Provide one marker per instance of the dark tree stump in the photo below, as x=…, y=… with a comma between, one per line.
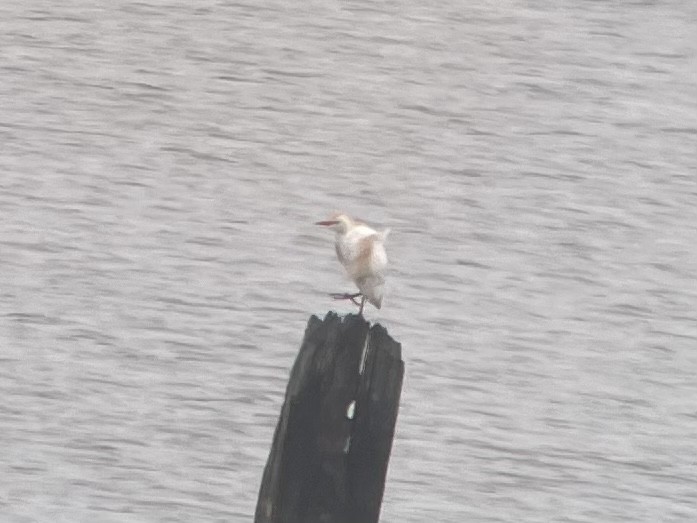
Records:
x=323, y=466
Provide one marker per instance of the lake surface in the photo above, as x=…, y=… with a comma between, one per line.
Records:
x=161, y=167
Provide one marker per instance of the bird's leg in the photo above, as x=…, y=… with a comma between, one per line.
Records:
x=353, y=300
x=360, y=308
x=345, y=296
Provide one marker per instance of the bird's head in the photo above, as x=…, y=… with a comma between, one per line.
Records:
x=338, y=222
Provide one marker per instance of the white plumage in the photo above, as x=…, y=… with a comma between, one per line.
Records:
x=361, y=250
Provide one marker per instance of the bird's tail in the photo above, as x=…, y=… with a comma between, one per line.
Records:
x=383, y=234
x=373, y=288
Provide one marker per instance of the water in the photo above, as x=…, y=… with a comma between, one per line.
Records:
x=161, y=167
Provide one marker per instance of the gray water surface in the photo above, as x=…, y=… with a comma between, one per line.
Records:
x=162, y=163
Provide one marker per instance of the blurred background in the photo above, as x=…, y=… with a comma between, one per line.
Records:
x=161, y=167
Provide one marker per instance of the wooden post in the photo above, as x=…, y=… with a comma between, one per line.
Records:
x=332, y=444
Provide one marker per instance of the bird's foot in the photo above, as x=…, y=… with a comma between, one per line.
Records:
x=346, y=296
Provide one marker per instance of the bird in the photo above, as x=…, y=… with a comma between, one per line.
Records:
x=361, y=250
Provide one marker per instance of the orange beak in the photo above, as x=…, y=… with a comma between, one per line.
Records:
x=327, y=222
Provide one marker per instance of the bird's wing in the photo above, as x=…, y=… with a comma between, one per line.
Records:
x=361, y=252
x=378, y=256
x=350, y=246
x=370, y=258
x=371, y=278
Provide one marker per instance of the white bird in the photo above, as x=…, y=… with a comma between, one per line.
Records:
x=361, y=251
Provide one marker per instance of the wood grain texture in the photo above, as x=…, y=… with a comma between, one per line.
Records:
x=324, y=467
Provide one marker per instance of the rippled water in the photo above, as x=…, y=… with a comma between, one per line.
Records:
x=161, y=165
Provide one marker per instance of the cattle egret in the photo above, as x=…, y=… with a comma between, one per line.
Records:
x=361, y=251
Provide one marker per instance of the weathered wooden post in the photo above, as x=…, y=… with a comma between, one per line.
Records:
x=332, y=444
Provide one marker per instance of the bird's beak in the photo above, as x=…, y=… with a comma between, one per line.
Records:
x=326, y=223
